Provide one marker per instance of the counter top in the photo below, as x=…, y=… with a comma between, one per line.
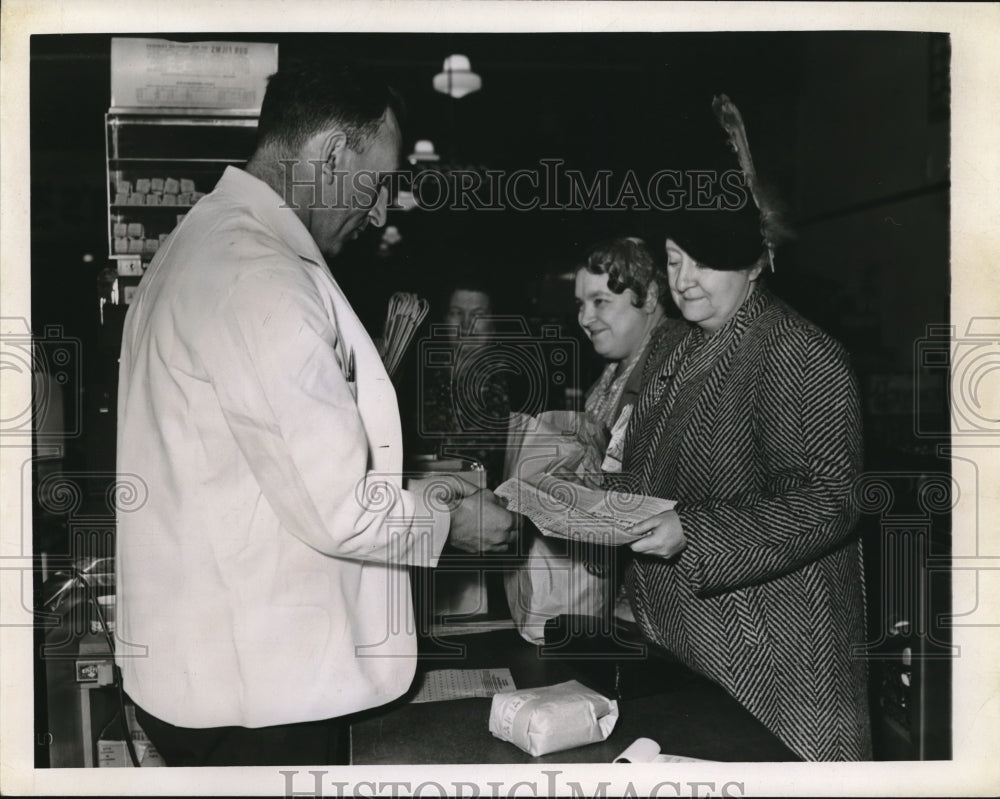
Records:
x=688, y=716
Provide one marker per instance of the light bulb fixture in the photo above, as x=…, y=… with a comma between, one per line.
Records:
x=423, y=151
x=391, y=236
x=457, y=79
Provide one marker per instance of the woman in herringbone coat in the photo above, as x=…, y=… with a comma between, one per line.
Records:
x=751, y=422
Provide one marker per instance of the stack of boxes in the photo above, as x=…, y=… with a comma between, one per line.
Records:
x=130, y=238
x=157, y=191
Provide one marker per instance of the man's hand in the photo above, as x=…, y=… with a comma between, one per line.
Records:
x=481, y=524
x=444, y=491
x=663, y=535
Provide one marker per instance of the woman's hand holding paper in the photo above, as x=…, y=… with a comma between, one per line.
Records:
x=663, y=535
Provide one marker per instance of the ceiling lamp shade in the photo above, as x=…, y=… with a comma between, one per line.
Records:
x=457, y=79
x=391, y=236
x=423, y=151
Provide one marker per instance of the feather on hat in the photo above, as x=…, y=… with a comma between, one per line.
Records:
x=716, y=231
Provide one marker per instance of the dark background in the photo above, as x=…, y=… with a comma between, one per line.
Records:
x=852, y=128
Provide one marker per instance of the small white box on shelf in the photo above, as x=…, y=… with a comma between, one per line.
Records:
x=136, y=230
x=130, y=267
x=120, y=230
x=168, y=199
x=142, y=186
x=156, y=184
x=152, y=199
x=187, y=185
x=121, y=245
x=137, y=199
x=171, y=186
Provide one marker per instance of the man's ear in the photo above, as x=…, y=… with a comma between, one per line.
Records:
x=332, y=144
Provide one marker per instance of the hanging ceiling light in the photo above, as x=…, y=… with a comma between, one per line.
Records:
x=390, y=238
x=457, y=79
x=423, y=151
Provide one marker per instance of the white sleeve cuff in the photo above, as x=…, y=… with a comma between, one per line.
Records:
x=431, y=522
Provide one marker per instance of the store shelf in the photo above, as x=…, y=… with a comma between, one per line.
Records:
x=131, y=208
x=168, y=145
x=185, y=116
x=176, y=161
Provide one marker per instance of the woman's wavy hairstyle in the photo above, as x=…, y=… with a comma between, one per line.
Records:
x=629, y=264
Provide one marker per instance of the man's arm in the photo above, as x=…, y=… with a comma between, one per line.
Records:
x=284, y=395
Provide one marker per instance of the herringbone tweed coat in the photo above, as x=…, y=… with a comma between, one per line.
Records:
x=756, y=432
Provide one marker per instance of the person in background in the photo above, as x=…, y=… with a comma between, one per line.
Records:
x=465, y=405
x=751, y=422
x=262, y=582
x=620, y=291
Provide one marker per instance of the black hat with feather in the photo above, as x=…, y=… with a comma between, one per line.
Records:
x=727, y=220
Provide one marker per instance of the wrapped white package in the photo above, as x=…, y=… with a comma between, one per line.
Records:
x=568, y=443
x=552, y=718
x=553, y=580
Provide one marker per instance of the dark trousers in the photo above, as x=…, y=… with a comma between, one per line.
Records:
x=315, y=743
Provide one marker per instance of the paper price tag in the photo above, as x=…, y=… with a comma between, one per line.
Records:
x=510, y=711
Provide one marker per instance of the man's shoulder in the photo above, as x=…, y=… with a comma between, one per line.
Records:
x=222, y=245
x=223, y=227
x=223, y=258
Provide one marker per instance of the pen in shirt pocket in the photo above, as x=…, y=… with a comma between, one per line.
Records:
x=350, y=365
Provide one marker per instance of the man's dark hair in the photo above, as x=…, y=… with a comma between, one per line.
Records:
x=307, y=96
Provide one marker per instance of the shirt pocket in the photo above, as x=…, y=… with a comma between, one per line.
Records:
x=349, y=367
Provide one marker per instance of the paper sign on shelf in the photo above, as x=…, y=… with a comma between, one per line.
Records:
x=156, y=73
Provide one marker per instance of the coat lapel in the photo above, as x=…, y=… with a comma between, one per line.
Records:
x=376, y=397
x=691, y=400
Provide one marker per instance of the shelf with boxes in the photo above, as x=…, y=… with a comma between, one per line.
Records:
x=130, y=238
x=160, y=162
x=153, y=192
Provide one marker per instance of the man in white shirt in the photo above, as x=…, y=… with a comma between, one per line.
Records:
x=262, y=577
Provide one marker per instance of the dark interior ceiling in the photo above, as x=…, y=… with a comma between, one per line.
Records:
x=593, y=99
x=596, y=101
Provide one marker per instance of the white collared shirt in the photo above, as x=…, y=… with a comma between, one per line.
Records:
x=261, y=566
